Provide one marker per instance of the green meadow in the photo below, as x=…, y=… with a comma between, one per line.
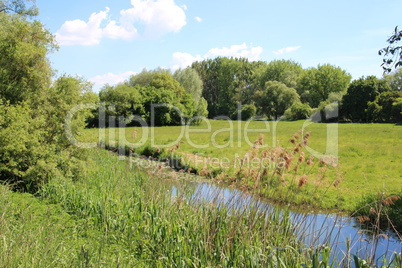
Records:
x=369, y=156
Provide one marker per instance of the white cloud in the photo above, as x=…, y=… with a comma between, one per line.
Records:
x=158, y=17
x=183, y=60
x=81, y=32
x=110, y=78
x=198, y=19
x=286, y=50
x=237, y=51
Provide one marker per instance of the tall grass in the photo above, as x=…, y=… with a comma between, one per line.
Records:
x=145, y=225
x=120, y=216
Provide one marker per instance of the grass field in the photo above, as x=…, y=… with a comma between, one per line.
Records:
x=370, y=155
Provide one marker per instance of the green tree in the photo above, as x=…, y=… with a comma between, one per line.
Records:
x=25, y=72
x=126, y=100
x=392, y=53
x=225, y=81
x=360, y=93
x=275, y=99
x=394, y=79
x=145, y=78
x=286, y=71
x=19, y=7
x=191, y=82
x=33, y=144
x=317, y=83
x=397, y=110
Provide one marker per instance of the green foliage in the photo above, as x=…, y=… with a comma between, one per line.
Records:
x=155, y=96
x=145, y=78
x=287, y=72
x=25, y=72
x=26, y=160
x=201, y=112
x=248, y=111
x=394, y=79
x=34, y=145
x=392, y=53
x=380, y=210
x=298, y=111
x=191, y=82
x=225, y=82
x=275, y=99
x=321, y=81
x=397, y=110
x=385, y=108
x=359, y=94
x=18, y=7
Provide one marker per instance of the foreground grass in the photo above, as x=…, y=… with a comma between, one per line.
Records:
x=121, y=217
x=369, y=156
x=137, y=223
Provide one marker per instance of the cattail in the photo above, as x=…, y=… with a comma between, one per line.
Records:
x=390, y=200
x=296, y=168
x=310, y=161
x=288, y=160
x=303, y=180
x=363, y=219
x=301, y=158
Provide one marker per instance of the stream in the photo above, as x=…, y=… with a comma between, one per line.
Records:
x=314, y=229
x=345, y=235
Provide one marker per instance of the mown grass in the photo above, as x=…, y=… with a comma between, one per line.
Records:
x=369, y=154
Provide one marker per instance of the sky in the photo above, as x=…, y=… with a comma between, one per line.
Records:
x=108, y=41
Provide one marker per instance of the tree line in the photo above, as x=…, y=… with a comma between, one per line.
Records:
x=280, y=89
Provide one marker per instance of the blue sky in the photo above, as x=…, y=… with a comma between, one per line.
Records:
x=107, y=41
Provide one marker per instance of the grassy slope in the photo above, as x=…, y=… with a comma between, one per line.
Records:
x=370, y=154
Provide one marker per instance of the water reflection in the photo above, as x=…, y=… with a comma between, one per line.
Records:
x=344, y=234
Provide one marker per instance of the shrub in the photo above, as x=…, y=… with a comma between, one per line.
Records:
x=298, y=111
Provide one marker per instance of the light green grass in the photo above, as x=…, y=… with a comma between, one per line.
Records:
x=370, y=155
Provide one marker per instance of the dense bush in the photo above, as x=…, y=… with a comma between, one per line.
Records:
x=385, y=107
x=298, y=111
